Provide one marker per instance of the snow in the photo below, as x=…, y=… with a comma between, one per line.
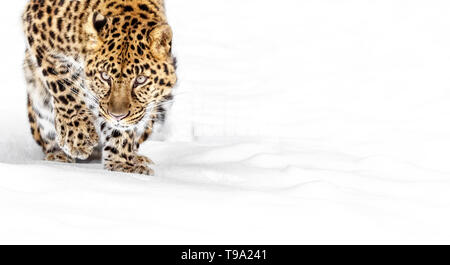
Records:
x=295, y=122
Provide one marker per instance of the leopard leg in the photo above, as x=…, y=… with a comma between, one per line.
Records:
x=35, y=131
x=46, y=141
x=72, y=118
x=120, y=154
x=40, y=115
x=144, y=135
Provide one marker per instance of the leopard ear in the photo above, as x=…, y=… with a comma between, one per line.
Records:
x=99, y=21
x=160, y=39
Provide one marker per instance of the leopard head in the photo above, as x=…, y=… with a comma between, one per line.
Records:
x=129, y=67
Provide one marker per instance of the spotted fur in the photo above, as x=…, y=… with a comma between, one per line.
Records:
x=99, y=73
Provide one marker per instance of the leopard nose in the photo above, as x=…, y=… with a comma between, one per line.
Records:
x=118, y=116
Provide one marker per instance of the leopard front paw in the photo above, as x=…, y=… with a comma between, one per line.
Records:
x=59, y=156
x=78, y=138
x=137, y=165
x=139, y=159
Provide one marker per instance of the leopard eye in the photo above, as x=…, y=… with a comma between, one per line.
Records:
x=141, y=80
x=105, y=76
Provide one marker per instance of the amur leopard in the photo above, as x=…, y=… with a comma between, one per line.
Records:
x=99, y=73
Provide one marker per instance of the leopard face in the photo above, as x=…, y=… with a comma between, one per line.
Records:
x=131, y=69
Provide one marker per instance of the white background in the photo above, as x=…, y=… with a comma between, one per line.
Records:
x=294, y=122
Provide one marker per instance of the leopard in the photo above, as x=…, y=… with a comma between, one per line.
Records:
x=100, y=74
